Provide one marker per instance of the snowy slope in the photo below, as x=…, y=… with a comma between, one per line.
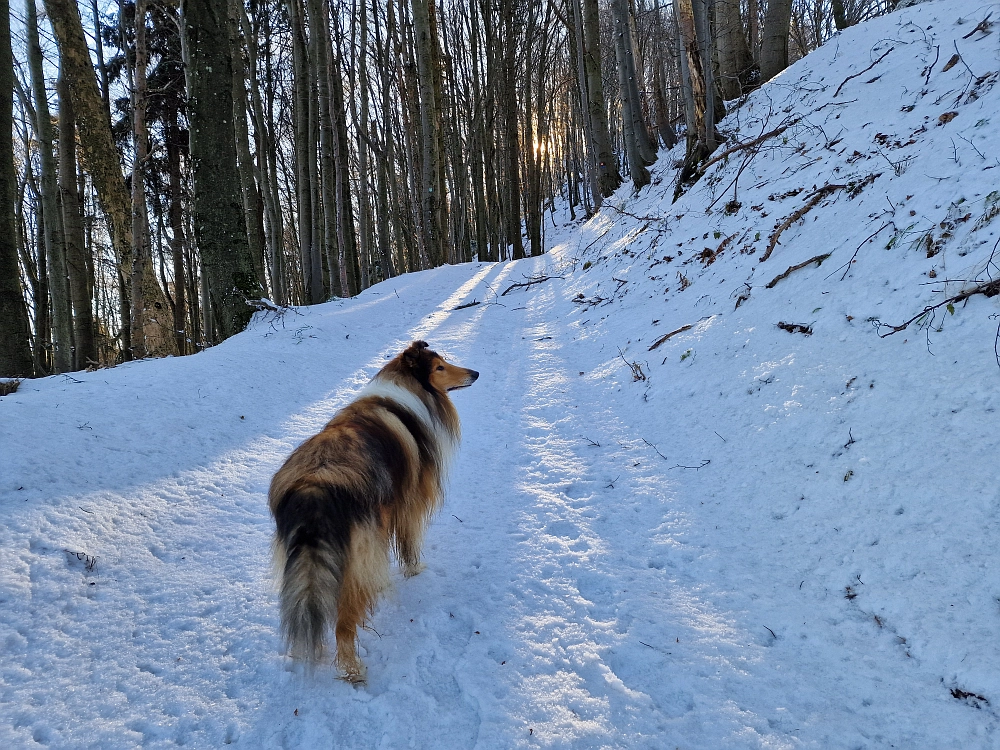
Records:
x=748, y=538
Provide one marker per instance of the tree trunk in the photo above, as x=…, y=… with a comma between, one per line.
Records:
x=244, y=158
x=512, y=145
x=637, y=145
x=151, y=326
x=839, y=15
x=175, y=142
x=55, y=247
x=265, y=167
x=699, y=88
x=364, y=191
x=663, y=124
x=77, y=261
x=305, y=159
x=347, y=243
x=320, y=64
x=737, y=71
x=607, y=164
x=15, y=348
x=714, y=110
x=753, y=32
x=432, y=193
x=99, y=150
x=219, y=224
x=774, y=38
x=386, y=162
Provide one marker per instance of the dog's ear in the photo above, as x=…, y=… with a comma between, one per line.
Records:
x=412, y=354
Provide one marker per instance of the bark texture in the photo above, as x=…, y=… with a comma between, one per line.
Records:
x=219, y=223
x=15, y=347
x=774, y=38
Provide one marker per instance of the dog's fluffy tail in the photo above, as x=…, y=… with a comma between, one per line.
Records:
x=311, y=551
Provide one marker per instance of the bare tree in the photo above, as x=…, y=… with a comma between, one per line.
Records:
x=55, y=247
x=219, y=224
x=78, y=261
x=15, y=351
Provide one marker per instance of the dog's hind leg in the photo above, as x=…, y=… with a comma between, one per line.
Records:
x=365, y=577
x=408, y=529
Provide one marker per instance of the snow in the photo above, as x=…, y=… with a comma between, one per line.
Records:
x=773, y=540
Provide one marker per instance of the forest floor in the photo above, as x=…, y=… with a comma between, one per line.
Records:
x=775, y=528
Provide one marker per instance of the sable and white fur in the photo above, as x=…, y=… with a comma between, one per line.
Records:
x=368, y=482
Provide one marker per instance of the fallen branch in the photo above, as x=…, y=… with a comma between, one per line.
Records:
x=667, y=337
x=467, y=304
x=529, y=282
x=816, y=197
x=989, y=289
x=749, y=144
x=862, y=72
x=818, y=260
x=795, y=328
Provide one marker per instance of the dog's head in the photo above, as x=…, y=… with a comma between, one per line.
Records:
x=433, y=372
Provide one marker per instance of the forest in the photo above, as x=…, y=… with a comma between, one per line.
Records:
x=176, y=166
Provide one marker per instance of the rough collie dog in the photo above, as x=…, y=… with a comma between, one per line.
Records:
x=367, y=483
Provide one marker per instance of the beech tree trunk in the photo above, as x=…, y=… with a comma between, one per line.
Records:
x=15, y=347
x=55, y=247
x=77, y=261
x=305, y=158
x=100, y=154
x=737, y=71
x=320, y=70
x=432, y=191
x=608, y=176
x=637, y=146
x=774, y=38
x=175, y=142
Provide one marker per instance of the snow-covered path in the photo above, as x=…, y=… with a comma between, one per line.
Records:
x=592, y=582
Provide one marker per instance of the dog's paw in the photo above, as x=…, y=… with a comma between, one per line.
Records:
x=354, y=672
x=356, y=678
x=411, y=570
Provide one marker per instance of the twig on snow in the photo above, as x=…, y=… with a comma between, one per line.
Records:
x=668, y=336
x=818, y=260
x=655, y=449
x=530, y=282
x=705, y=462
x=835, y=93
x=869, y=238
